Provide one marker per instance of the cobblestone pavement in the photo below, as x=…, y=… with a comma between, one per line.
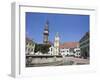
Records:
x=77, y=60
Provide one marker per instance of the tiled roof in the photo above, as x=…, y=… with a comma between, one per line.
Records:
x=69, y=45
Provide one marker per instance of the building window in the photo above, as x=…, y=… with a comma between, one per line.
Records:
x=29, y=49
x=30, y=44
x=26, y=43
x=26, y=48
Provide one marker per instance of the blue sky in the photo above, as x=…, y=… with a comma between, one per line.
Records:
x=69, y=26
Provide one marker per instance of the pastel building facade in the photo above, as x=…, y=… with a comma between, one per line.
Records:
x=30, y=46
x=70, y=49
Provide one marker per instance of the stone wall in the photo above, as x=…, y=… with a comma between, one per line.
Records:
x=44, y=59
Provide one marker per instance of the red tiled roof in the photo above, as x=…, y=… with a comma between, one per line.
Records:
x=69, y=45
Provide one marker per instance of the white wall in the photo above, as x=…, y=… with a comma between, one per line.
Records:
x=5, y=41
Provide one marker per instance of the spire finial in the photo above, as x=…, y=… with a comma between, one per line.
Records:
x=47, y=24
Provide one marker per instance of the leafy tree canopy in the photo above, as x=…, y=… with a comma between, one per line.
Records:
x=44, y=48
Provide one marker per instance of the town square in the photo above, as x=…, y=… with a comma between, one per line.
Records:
x=56, y=39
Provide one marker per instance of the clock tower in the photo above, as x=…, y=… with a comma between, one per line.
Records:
x=46, y=33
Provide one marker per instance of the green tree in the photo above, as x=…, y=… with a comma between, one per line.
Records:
x=44, y=48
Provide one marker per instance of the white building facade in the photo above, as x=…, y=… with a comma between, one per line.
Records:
x=64, y=51
x=56, y=44
x=77, y=52
x=70, y=49
x=51, y=50
x=54, y=49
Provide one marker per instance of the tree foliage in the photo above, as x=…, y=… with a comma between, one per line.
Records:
x=44, y=48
